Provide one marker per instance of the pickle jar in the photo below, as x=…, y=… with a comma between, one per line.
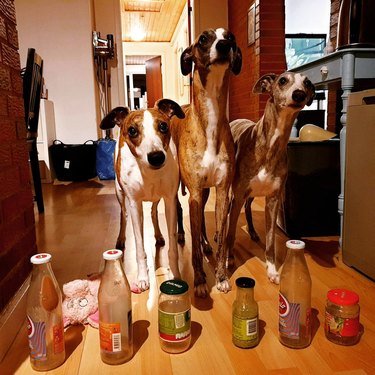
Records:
x=245, y=323
x=342, y=317
x=174, y=316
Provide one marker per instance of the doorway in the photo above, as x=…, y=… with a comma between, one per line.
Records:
x=143, y=81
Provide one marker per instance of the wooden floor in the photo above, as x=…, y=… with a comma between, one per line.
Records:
x=81, y=220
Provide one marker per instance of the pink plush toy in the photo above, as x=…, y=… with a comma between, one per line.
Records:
x=80, y=305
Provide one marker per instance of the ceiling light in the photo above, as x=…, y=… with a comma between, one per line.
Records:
x=137, y=33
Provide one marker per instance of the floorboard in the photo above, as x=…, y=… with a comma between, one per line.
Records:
x=81, y=220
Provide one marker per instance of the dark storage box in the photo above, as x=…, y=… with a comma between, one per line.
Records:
x=310, y=206
x=74, y=162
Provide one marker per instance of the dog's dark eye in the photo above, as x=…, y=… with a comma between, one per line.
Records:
x=202, y=40
x=231, y=37
x=163, y=127
x=133, y=132
x=283, y=81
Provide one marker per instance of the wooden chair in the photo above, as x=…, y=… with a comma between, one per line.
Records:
x=32, y=87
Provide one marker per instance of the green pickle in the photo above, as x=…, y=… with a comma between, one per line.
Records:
x=245, y=322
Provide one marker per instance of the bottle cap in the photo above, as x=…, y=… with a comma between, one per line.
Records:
x=174, y=287
x=245, y=282
x=295, y=244
x=40, y=258
x=342, y=297
x=112, y=254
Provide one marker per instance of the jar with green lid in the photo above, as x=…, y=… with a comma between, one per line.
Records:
x=174, y=316
x=342, y=317
x=245, y=324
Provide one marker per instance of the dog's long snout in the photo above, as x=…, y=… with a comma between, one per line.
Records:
x=299, y=96
x=156, y=158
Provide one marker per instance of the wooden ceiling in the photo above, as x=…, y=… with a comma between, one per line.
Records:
x=157, y=18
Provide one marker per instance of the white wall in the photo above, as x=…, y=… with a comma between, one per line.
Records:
x=60, y=31
x=307, y=16
x=107, y=20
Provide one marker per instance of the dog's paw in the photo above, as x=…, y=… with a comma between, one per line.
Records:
x=135, y=289
x=206, y=247
x=181, y=238
x=201, y=290
x=272, y=274
x=120, y=244
x=143, y=285
x=223, y=286
x=159, y=241
x=174, y=275
x=253, y=235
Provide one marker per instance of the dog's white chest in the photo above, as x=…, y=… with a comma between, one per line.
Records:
x=264, y=184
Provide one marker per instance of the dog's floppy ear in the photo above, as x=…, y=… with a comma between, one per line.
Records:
x=237, y=62
x=170, y=108
x=186, y=61
x=312, y=96
x=264, y=83
x=114, y=117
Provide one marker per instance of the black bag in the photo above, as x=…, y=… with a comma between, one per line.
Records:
x=105, y=158
x=74, y=162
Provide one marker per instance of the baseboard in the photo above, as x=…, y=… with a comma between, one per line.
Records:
x=12, y=318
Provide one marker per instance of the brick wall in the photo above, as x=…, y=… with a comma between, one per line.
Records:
x=334, y=103
x=17, y=223
x=265, y=55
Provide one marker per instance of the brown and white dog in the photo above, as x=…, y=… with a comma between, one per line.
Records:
x=205, y=144
x=146, y=169
x=261, y=156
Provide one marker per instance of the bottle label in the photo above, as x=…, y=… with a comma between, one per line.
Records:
x=37, y=339
x=110, y=337
x=245, y=330
x=289, y=318
x=58, y=338
x=174, y=327
x=341, y=327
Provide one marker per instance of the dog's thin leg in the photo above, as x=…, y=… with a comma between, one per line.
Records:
x=206, y=247
x=180, y=223
x=271, y=209
x=171, y=217
x=121, y=239
x=195, y=211
x=249, y=218
x=159, y=239
x=136, y=213
x=235, y=210
x=221, y=211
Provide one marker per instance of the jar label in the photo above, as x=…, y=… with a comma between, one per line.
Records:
x=341, y=327
x=110, y=337
x=37, y=339
x=245, y=330
x=174, y=327
x=289, y=318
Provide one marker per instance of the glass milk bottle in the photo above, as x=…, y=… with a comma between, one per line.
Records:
x=295, y=298
x=115, y=311
x=245, y=326
x=44, y=316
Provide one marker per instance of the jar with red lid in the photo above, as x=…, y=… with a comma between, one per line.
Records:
x=342, y=317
